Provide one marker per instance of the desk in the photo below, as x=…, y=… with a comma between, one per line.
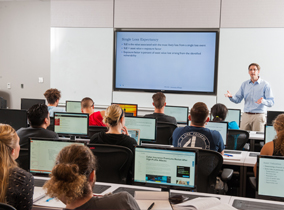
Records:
x=255, y=136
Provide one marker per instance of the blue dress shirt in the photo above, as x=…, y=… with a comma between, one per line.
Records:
x=251, y=92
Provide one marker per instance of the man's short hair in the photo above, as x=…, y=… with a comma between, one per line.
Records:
x=199, y=113
x=159, y=100
x=52, y=95
x=254, y=64
x=86, y=103
x=37, y=114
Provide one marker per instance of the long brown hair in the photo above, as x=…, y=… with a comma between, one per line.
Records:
x=278, y=125
x=8, y=141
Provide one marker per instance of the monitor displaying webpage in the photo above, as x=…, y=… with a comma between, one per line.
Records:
x=221, y=127
x=129, y=109
x=43, y=154
x=147, y=127
x=166, y=167
x=270, y=177
x=71, y=123
x=180, y=113
x=270, y=133
x=73, y=106
x=233, y=115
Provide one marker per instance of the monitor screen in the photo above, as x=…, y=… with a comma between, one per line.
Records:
x=234, y=115
x=146, y=125
x=167, y=61
x=75, y=124
x=27, y=103
x=271, y=115
x=269, y=133
x=270, y=176
x=73, y=106
x=170, y=167
x=14, y=117
x=135, y=133
x=43, y=153
x=179, y=112
x=129, y=109
x=221, y=127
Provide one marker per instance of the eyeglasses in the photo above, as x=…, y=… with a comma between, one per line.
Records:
x=253, y=69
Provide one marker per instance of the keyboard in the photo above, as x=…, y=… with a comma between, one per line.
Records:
x=39, y=182
x=190, y=196
x=253, y=154
x=252, y=205
x=232, y=152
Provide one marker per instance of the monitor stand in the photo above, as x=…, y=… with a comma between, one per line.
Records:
x=73, y=138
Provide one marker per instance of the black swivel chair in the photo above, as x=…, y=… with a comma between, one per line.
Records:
x=114, y=163
x=237, y=139
x=96, y=129
x=164, y=133
x=4, y=206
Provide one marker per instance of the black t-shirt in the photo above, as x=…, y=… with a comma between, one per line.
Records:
x=162, y=118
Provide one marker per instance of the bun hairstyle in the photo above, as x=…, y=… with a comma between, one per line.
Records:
x=8, y=141
x=219, y=112
x=70, y=175
x=278, y=125
x=112, y=115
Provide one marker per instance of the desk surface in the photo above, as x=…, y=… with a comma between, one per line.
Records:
x=235, y=159
x=255, y=204
x=250, y=159
x=256, y=136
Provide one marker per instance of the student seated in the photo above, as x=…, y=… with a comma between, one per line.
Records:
x=275, y=147
x=117, y=133
x=39, y=120
x=159, y=102
x=73, y=178
x=196, y=135
x=95, y=118
x=17, y=185
x=219, y=114
x=53, y=96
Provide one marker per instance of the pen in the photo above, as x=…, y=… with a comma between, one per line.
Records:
x=151, y=206
x=48, y=199
x=228, y=155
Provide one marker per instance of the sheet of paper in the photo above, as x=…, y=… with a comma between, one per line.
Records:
x=233, y=157
x=50, y=202
x=150, y=195
x=159, y=204
x=39, y=193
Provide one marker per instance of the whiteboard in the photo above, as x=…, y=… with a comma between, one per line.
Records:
x=241, y=46
x=81, y=63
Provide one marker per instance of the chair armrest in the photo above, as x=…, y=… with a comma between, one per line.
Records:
x=252, y=181
x=227, y=174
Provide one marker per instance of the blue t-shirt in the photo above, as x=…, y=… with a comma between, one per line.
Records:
x=190, y=136
x=52, y=109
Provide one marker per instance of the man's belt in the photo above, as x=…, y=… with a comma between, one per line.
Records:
x=253, y=113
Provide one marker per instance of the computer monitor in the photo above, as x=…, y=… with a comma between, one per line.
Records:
x=27, y=103
x=221, y=127
x=271, y=115
x=14, y=117
x=3, y=103
x=43, y=153
x=234, y=115
x=270, y=173
x=146, y=125
x=71, y=124
x=73, y=106
x=269, y=133
x=135, y=133
x=179, y=112
x=170, y=168
x=129, y=109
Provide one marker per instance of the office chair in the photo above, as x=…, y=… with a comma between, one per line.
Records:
x=208, y=167
x=114, y=162
x=237, y=139
x=4, y=206
x=164, y=133
x=96, y=129
x=51, y=126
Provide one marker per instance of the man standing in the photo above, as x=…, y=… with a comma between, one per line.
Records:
x=159, y=102
x=257, y=95
x=196, y=135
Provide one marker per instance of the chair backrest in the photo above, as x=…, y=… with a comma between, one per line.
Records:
x=237, y=139
x=209, y=163
x=114, y=162
x=4, y=206
x=164, y=133
x=96, y=129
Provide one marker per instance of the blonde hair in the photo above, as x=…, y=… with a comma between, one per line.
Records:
x=278, y=125
x=69, y=176
x=8, y=141
x=112, y=115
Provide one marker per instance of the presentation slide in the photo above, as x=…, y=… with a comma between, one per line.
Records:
x=43, y=154
x=271, y=173
x=180, y=113
x=176, y=168
x=270, y=133
x=71, y=124
x=233, y=115
x=173, y=61
x=73, y=106
x=147, y=127
x=222, y=128
x=129, y=109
